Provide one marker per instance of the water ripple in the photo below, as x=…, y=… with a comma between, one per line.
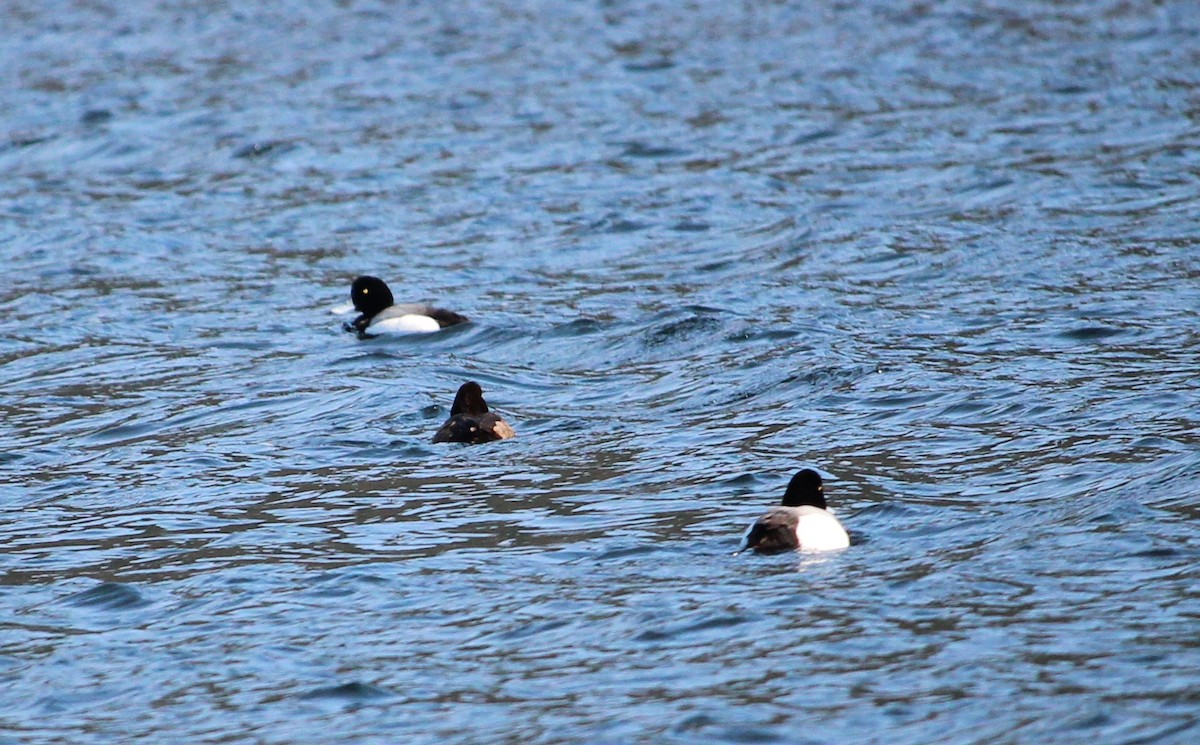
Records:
x=943, y=253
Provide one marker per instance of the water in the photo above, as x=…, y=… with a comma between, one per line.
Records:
x=944, y=252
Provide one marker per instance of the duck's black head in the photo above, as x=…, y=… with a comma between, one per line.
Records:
x=805, y=489
x=370, y=295
x=469, y=400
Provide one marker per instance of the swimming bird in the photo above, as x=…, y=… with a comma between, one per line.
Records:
x=803, y=521
x=470, y=421
x=380, y=314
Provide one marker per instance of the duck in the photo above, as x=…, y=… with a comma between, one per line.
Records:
x=803, y=520
x=379, y=313
x=470, y=421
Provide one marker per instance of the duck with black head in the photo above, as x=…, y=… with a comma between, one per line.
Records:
x=379, y=313
x=470, y=421
x=803, y=521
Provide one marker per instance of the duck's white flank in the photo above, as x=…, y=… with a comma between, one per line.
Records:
x=818, y=529
x=409, y=323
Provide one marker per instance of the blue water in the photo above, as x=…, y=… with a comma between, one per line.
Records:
x=946, y=253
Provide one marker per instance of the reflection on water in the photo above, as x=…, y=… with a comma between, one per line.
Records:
x=944, y=253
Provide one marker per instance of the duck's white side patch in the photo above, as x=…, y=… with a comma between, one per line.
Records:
x=410, y=323
x=817, y=530
x=503, y=431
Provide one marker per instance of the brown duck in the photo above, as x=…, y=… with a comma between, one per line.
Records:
x=470, y=421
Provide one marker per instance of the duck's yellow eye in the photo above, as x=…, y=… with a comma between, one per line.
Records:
x=365, y=290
